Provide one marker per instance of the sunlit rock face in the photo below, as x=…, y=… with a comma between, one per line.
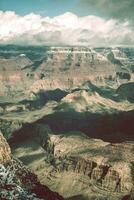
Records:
x=95, y=168
x=25, y=70
x=68, y=114
x=5, y=152
x=26, y=73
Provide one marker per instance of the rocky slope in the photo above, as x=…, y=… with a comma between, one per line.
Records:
x=17, y=181
x=28, y=75
x=51, y=68
x=85, y=96
x=126, y=91
x=78, y=165
x=27, y=71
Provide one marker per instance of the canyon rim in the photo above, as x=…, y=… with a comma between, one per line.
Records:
x=66, y=100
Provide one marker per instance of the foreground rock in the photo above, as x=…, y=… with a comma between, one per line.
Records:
x=17, y=182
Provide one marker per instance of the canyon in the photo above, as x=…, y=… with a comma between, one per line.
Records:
x=67, y=114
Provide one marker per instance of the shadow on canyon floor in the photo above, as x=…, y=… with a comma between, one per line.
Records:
x=110, y=127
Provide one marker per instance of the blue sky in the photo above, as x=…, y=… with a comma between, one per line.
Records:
x=119, y=9
x=43, y=7
x=112, y=22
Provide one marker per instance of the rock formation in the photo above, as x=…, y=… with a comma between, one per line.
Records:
x=101, y=165
x=126, y=91
x=17, y=181
x=68, y=114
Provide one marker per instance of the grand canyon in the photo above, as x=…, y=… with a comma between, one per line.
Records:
x=67, y=122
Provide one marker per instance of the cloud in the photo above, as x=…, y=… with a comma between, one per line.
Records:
x=118, y=9
x=66, y=29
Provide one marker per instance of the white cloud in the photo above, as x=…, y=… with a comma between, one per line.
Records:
x=64, y=29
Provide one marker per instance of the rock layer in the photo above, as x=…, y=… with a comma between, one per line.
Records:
x=5, y=152
x=101, y=165
x=69, y=89
x=17, y=181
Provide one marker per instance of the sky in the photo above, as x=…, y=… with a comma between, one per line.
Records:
x=67, y=22
x=48, y=7
x=43, y=7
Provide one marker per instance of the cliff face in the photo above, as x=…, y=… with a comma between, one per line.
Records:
x=90, y=165
x=87, y=153
x=17, y=181
x=28, y=76
x=106, y=177
x=5, y=152
x=64, y=68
